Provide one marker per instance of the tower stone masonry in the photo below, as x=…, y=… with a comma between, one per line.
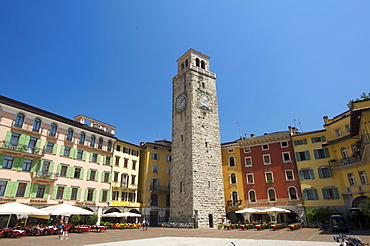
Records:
x=197, y=193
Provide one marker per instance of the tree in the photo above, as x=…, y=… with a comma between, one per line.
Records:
x=321, y=215
x=365, y=209
x=93, y=219
x=362, y=97
x=75, y=219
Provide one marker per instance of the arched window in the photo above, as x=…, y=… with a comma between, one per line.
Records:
x=252, y=196
x=53, y=130
x=82, y=138
x=197, y=62
x=154, y=200
x=234, y=195
x=344, y=153
x=231, y=161
x=109, y=147
x=100, y=143
x=19, y=120
x=36, y=125
x=182, y=66
x=92, y=141
x=69, y=136
x=232, y=178
x=292, y=193
x=271, y=195
x=186, y=63
x=202, y=64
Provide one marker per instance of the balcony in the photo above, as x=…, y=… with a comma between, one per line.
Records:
x=45, y=176
x=21, y=148
x=117, y=185
x=27, y=127
x=159, y=188
x=234, y=203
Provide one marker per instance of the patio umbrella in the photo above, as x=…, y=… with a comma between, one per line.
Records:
x=129, y=214
x=66, y=210
x=114, y=215
x=19, y=209
x=275, y=210
x=247, y=211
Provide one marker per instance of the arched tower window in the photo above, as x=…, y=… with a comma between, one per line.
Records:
x=231, y=161
x=203, y=64
x=186, y=63
x=197, y=62
x=232, y=178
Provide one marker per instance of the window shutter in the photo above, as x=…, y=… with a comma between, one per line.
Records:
x=97, y=176
x=100, y=196
x=99, y=159
x=108, y=196
x=308, y=155
x=82, y=174
x=78, y=194
x=295, y=142
x=84, y=155
x=329, y=172
x=336, y=193
x=94, y=196
x=316, y=154
x=47, y=189
x=7, y=137
x=67, y=193
x=305, y=197
x=320, y=173
x=316, y=195
x=85, y=195
x=111, y=161
x=27, y=192
x=91, y=155
x=34, y=191
x=323, y=138
x=38, y=145
x=70, y=172
x=102, y=176
x=51, y=168
x=324, y=194
x=62, y=150
x=313, y=140
x=58, y=169
x=9, y=188
x=110, y=178
x=21, y=141
x=15, y=163
x=14, y=189
x=46, y=145
x=1, y=160
x=33, y=166
x=20, y=164
x=305, y=141
x=105, y=160
x=72, y=153
x=88, y=174
x=312, y=176
x=326, y=152
x=55, y=190
x=301, y=177
x=55, y=148
x=297, y=156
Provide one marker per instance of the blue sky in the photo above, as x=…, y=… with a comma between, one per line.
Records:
x=278, y=63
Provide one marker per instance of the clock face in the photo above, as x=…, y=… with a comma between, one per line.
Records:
x=204, y=100
x=181, y=102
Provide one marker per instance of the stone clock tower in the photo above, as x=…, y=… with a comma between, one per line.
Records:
x=196, y=176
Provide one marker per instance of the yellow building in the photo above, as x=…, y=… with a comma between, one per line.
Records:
x=125, y=177
x=155, y=178
x=233, y=180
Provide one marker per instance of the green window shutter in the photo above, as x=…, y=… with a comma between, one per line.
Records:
x=55, y=149
x=82, y=174
x=305, y=197
x=301, y=177
x=102, y=176
x=88, y=174
x=323, y=138
x=70, y=172
x=51, y=168
x=297, y=156
x=2, y=157
x=324, y=194
x=33, y=166
x=67, y=193
x=313, y=140
x=23, y=140
x=320, y=173
x=78, y=194
x=110, y=178
x=72, y=153
x=34, y=190
x=84, y=155
x=94, y=196
x=336, y=193
x=312, y=176
x=97, y=176
x=111, y=161
x=14, y=190
x=326, y=152
x=295, y=142
x=61, y=150
x=99, y=158
x=105, y=160
x=91, y=155
x=316, y=154
x=8, y=189
x=59, y=168
x=55, y=190
x=100, y=196
x=20, y=164
x=108, y=196
x=85, y=195
x=316, y=195
x=7, y=137
x=329, y=172
x=305, y=141
x=46, y=145
x=15, y=163
x=38, y=145
x=308, y=155
x=27, y=192
x=39, y=166
x=47, y=189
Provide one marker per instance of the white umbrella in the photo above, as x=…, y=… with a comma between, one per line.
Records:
x=275, y=210
x=114, y=215
x=19, y=208
x=66, y=210
x=247, y=211
x=129, y=214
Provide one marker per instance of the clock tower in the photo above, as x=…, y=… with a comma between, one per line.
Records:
x=197, y=194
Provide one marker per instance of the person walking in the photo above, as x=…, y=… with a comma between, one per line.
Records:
x=145, y=225
x=65, y=231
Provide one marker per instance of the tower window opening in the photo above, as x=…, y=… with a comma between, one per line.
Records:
x=186, y=63
x=203, y=64
x=197, y=62
x=206, y=144
x=203, y=85
x=182, y=66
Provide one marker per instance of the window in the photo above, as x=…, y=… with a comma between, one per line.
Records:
x=36, y=125
x=126, y=150
x=230, y=151
x=136, y=153
x=232, y=161
x=82, y=138
x=92, y=175
x=300, y=142
x=155, y=156
x=252, y=196
x=40, y=191
x=269, y=177
x=107, y=160
x=168, y=158
x=45, y=168
x=26, y=165
x=306, y=174
x=31, y=148
x=232, y=178
x=2, y=187
x=63, y=171
x=115, y=195
x=338, y=132
x=271, y=195
x=321, y=153
x=8, y=162
x=69, y=135
x=153, y=200
x=104, y=196
x=266, y=159
x=94, y=157
x=19, y=120
x=247, y=149
x=155, y=168
x=106, y=177
x=363, y=177
x=348, y=129
x=250, y=178
x=303, y=155
x=14, y=139
x=154, y=184
x=133, y=179
x=351, y=179
x=21, y=190
x=74, y=193
x=265, y=146
x=289, y=175
x=125, y=162
x=77, y=174
x=90, y=195
x=344, y=153
x=292, y=191
x=115, y=176
x=92, y=141
x=248, y=161
x=124, y=180
x=109, y=146
x=60, y=192
x=100, y=143
x=234, y=199
x=169, y=170
x=53, y=130
x=67, y=151
x=324, y=172
x=330, y=193
x=318, y=139
x=310, y=194
x=286, y=157
x=133, y=165
x=118, y=147
x=284, y=144
x=49, y=147
x=80, y=154
x=168, y=200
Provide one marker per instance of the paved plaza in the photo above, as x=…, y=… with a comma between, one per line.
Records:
x=184, y=237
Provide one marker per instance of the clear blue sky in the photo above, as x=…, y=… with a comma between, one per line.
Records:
x=275, y=61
